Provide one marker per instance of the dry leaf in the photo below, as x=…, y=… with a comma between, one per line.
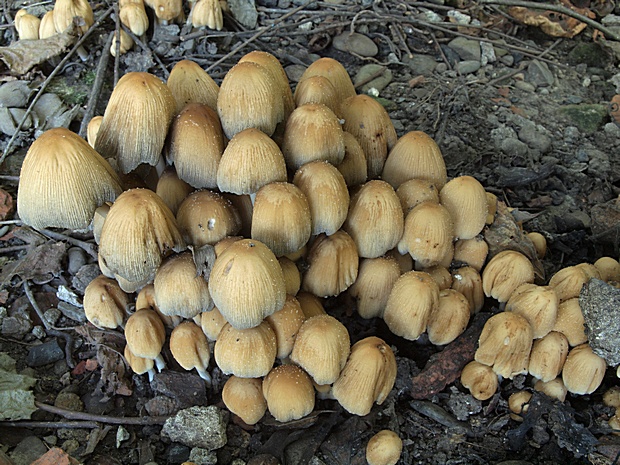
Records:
x=114, y=377
x=42, y=264
x=550, y=22
x=6, y=204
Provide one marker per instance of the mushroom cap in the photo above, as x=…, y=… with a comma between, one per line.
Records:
x=105, y=303
x=568, y=282
x=554, y=388
x=139, y=365
x=27, y=25
x=570, y=322
x=292, y=276
x=249, y=98
x=504, y=273
x=332, y=265
x=539, y=304
x=285, y=324
x=327, y=194
x=247, y=353
x=353, y=166
x=505, y=344
x=166, y=10
x=62, y=181
x=92, y=129
x=375, y=279
x=124, y=45
x=480, y=379
x=190, y=348
x=66, y=10
x=179, y=272
x=369, y=122
x=415, y=155
x=251, y=160
x=442, y=277
x=46, y=27
x=212, y=323
x=145, y=333
x=171, y=189
x=247, y=284
x=609, y=268
x=540, y=243
x=583, y=371
x=466, y=200
x=244, y=397
x=207, y=13
x=449, y=319
x=321, y=348
x=133, y=15
x=311, y=304
x=472, y=252
x=312, y=132
x=414, y=296
x=189, y=83
x=138, y=232
x=196, y=145
x=136, y=121
x=289, y=393
x=468, y=282
x=415, y=191
x=335, y=72
x=375, y=220
x=367, y=377
x=384, y=448
x=317, y=89
x=548, y=356
x=281, y=218
x=518, y=403
x=207, y=217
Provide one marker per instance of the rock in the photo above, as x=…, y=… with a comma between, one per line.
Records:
x=507, y=59
x=16, y=326
x=28, y=450
x=245, y=12
x=612, y=129
x=202, y=427
x=588, y=53
x=605, y=221
x=599, y=164
x=451, y=56
x=599, y=303
x=72, y=312
x=355, y=43
x=535, y=138
x=202, y=456
x=462, y=405
x=84, y=276
x=185, y=388
x=513, y=147
x=538, y=74
x=161, y=406
x=69, y=401
x=294, y=72
x=10, y=118
x=14, y=94
x=380, y=82
x=468, y=66
x=487, y=53
x=586, y=117
x=571, y=134
x=421, y=64
x=526, y=86
x=77, y=259
x=51, y=315
x=178, y=453
x=467, y=49
x=42, y=354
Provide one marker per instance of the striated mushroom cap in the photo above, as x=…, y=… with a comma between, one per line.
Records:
x=247, y=353
x=190, y=348
x=505, y=272
x=289, y=393
x=189, y=83
x=466, y=200
x=105, y=303
x=244, y=397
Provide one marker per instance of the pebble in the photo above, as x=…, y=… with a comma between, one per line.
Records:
x=43, y=354
x=535, y=138
x=65, y=294
x=571, y=134
x=467, y=49
x=294, y=72
x=51, y=315
x=468, y=66
x=421, y=64
x=84, y=276
x=355, y=43
x=203, y=427
x=69, y=401
x=612, y=129
x=513, y=147
x=487, y=53
x=379, y=83
x=599, y=303
x=28, y=450
x=599, y=164
x=245, y=12
x=16, y=326
x=525, y=86
x=507, y=59
x=10, y=118
x=587, y=117
x=186, y=388
x=77, y=259
x=72, y=312
x=14, y=94
x=178, y=453
x=201, y=456
x=538, y=74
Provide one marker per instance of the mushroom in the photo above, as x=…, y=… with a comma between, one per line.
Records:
x=247, y=353
x=465, y=199
x=46, y=27
x=190, y=348
x=554, y=389
x=212, y=323
x=468, y=282
x=471, y=252
x=145, y=335
x=335, y=72
x=138, y=232
x=540, y=243
x=321, y=348
x=62, y=181
x=207, y=13
x=370, y=124
x=136, y=121
x=449, y=319
x=139, y=365
x=504, y=273
x=505, y=344
x=327, y=194
x=375, y=220
x=375, y=279
x=66, y=10
x=491, y=208
x=317, y=89
x=518, y=403
x=583, y=370
x=244, y=397
x=285, y=324
x=539, y=304
x=568, y=282
x=415, y=191
x=292, y=276
x=480, y=379
x=548, y=356
x=311, y=305
x=609, y=268
x=570, y=322
x=146, y=299
x=247, y=284
x=122, y=45
x=171, y=189
x=27, y=25
x=353, y=166
x=105, y=303
x=133, y=16
x=367, y=377
x=442, y=277
x=189, y=83
x=92, y=129
x=414, y=296
x=289, y=393
x=167, y=10
x=384, y=448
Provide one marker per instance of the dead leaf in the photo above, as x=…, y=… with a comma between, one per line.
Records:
x=6, y=204
x=55, y=456
x=23, y=55
x=40, y=265
x=114, y=377
x=550, y=22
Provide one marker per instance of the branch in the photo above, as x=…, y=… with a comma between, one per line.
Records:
x=72, y=415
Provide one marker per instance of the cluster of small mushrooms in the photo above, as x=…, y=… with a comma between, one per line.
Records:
x=233, y=210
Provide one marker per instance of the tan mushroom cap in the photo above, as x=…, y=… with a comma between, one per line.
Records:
x=212, y=323
x=504, y=273
x=46, y=27
x=167, y=10
x=568, y=282
x=442, y=277
x=289, y=393
x=62, y=181
x=371, y=289
x=207, y=13
x=249, y=98
x=555, y=388
x=384, y=448
x=518, y=403
x=353, y=166
x=539, y=304
x=281, y=218
x=285, y=324
x=415, y=191
x=139, y=365
x=27, y=25
x=505, y=344
x=583, y=370
x=480, y=379
x=311, y=304
x=171, y=189
x=292, y=276
x=66, y=10
x=335, y=72
x=251, y=160
x=189, y=83
x=548, y=356
x=472, y=252
x=125, y=43
x=375, y=220
x=105, y=303
x=247, y=284
x=133, y=15
x=180, y=272
x=540, y=243
x=570, y=322
x=609, y=268
x=317, y=89
x=465, y=198
x=321, y=348
x=414, y=296
x=136, y=121
x=468, y=282
x=138, y=232
x=146, y=335
x=247, y=353
x=196, y=145
x=332, y=265
x=368, y=376
x=415, y=156
x=190, y=348
x=611, y=397
x=449, y=319
x=369, y=122
x=244, y=397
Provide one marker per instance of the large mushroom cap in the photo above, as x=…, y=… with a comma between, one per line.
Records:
x=189, y=83
x=62, y=182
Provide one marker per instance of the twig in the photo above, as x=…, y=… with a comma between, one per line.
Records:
x=49, y=424
x=49, y=329
x=19, y=222
x=96, y=89
x=117, y=54
x=52, y=75
x=558, y=9
x=70, y=414
x=14, y=248
x=4, y=177
x=89, y=248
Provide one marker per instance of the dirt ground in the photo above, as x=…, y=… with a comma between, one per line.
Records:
x=533, y=122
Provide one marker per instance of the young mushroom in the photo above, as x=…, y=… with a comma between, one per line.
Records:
x=190, y=348
x=105, y=303
x=289, y=393
x=145, y=335
x=244, y=397
x=384, y=448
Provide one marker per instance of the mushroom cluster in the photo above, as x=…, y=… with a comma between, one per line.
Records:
x=232, y=211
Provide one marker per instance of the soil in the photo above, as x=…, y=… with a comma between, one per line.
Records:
x=545, y=142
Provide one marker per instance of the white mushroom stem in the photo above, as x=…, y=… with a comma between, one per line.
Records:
x=204, y=375
x=160, y=363
x=151, y=373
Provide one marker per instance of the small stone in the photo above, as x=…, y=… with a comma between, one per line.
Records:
x=84, y=276
x=539, y=74
x=161, y=406
x=534, y=138
x=69, y=401
x=487, y=53
x=39, y=332
x=51, y=316
x=612, y=129
x=468, y=66
x=202, y=456
x=599, y=303
x=245, y=12
x=507, y=59
x=441, y=68
x=356, y=44
x=70, y=446
x=14, y=94
x=513, y=147
x=202, y=427
x=16, y=326
x=588, y=53
x=43, y=354
x=599, y=164
x=380, y=82
x=28, y=450
x=421, y=64
x=77, y=259
x=185, y=388
x=178, y=453
x=72, y=312
x=294, y=72
x=467, y=49
x=586, y=117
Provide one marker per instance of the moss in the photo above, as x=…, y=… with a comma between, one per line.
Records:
x=586, y=117
x=71, y=94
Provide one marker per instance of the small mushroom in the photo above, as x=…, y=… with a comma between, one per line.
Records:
x=548, y=356
x=171, y=189
x=289, y=393
x=286, y=323
x=471, y=252
x=27, y=25
x=190, y=348
x=207, y=13
x=583, y=370
x=317, y=89
x=504, y=273
x=335, y=72
x=570, y=322
x=371, y=289
x=384, y=448
x=415, y=191
x=244, y=397
x=468, y=282
x=609, y=268
x=465, y=199
x=540, y=243
x=539, y=304
x=189, y=83
x=554, y=389
x=568, y=282
x=105, y=303
x=518, y=403
x=449, y=319
x=145, y=335
x=353, y=166
x=480, y=379
x=139, y=365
